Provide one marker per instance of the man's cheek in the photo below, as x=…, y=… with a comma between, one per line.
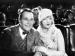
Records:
x=31, y=23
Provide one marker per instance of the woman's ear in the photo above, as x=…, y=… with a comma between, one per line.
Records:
x=52, y=23
x=41, y=23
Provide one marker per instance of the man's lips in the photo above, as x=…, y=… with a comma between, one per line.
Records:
x=27, y=25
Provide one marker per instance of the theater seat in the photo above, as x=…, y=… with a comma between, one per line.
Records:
x=1, y=28
x=72, y=39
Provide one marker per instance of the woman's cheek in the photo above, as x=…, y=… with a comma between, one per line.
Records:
x=44, y=22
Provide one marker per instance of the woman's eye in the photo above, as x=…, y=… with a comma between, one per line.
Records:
x=50, y=18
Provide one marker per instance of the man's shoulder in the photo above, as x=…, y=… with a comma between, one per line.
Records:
x=11, y=28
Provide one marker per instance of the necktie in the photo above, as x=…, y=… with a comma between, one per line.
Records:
x=25, y=32
x=24, y=42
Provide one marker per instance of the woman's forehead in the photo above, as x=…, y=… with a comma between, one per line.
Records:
x=48, y=16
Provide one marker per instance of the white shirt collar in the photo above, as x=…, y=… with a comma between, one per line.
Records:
x=21, y=33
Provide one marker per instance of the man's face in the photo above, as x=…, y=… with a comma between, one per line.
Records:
x=47, y=22
x=27, y=21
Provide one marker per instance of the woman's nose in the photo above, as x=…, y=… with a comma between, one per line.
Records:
x=48, y=20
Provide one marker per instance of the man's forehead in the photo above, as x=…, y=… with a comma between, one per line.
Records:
x=27, y=14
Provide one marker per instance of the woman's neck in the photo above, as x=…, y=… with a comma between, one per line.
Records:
x=45, y=30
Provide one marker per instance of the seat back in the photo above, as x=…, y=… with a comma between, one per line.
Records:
x=72, y=37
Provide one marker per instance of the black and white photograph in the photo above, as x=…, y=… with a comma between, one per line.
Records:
x=37, y=27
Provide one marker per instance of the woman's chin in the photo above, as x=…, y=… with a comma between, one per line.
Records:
x=47, y=27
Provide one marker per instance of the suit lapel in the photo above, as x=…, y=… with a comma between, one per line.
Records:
x=30, y=40
x=30, y=37
x=17, y=36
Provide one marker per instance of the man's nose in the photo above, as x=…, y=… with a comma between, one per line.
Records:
x=28, y=21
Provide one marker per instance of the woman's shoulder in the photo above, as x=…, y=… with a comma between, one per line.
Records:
x=58, y=33
x=36, y=33
x=57, y=30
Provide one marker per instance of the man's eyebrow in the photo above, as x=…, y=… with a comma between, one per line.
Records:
x=25, y=18
x=48, y=16
x=32, y=18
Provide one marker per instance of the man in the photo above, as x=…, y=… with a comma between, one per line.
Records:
x=18, y=40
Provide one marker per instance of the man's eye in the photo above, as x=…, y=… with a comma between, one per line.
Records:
x=24, y=18
x=32, y=19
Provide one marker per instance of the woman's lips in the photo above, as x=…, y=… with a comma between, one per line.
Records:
x=48, y=24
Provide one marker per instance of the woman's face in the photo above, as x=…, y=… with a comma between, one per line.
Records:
x=47, y=22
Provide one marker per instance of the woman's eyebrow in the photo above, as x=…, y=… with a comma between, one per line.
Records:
x=48, y=16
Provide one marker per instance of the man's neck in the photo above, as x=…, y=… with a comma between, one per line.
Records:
x=24, y=29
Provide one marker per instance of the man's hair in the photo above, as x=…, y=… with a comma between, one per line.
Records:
x=21, y=11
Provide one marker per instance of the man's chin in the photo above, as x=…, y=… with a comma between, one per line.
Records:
x=27, y=29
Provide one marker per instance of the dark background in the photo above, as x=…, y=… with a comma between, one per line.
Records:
x=10, y=7
x=34, y=3
x=39, y=2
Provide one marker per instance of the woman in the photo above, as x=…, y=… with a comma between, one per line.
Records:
x=50, y=35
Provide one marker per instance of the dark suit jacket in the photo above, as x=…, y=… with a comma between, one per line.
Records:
x=12, y=44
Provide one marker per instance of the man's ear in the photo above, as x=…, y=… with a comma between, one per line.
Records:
x=34, y=22
x=19, y=20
